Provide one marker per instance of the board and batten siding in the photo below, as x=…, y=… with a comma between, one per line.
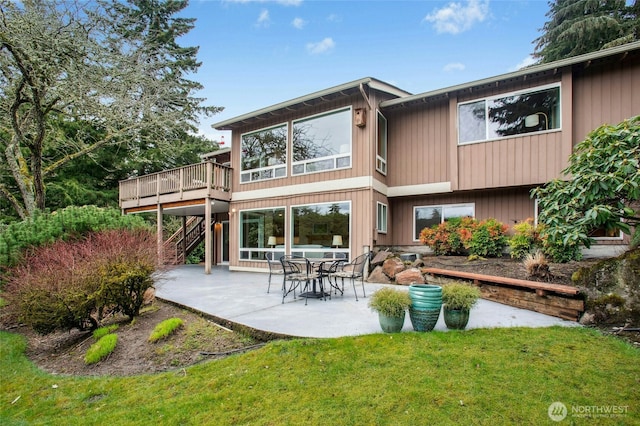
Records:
x=418, y=145
x=605, y=95
x=507, y=206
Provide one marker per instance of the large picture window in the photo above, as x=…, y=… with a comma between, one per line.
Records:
x=507, y=115
x=263, y=154
x=322, y=142
x=321, y=230
x=261, y=231
x=428, y=216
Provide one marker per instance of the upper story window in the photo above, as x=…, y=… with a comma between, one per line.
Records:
x=322, y=142
x=263, y=154
x=381, y=152
x=533, y=110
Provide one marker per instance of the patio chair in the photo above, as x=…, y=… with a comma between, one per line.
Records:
x=298, y=270
x=275, y=267
x=352, y=270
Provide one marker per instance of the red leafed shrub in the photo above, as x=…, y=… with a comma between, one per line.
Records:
x=71, y=284
x=458, y=236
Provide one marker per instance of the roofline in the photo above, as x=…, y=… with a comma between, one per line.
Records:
x=371, y=82
x=516, y=74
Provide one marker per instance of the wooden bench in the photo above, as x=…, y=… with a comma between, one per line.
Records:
x=558, y=300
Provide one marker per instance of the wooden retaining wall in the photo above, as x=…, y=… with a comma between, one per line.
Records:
x=558, y=300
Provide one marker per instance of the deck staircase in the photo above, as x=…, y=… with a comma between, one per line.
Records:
x=175, y=250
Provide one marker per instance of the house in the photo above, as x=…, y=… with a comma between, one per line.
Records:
x=366, y=164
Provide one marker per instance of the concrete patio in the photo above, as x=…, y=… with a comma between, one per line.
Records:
x=241, y=298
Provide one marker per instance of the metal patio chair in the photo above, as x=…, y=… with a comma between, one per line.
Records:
x=275, y=267
x=351, y=270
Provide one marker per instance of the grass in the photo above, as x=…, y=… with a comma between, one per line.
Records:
x=165, y=328
x=101, y=349
x=482, y=376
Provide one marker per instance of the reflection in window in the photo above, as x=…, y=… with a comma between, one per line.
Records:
x=314, y=228
x=261, y=231
x=515, y=114
x=381, y=153
x=428, y=216
x=263, y=154
x=382, y=218
x=322, y=142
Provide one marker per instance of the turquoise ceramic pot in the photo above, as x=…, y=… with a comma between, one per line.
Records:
x=455, y=319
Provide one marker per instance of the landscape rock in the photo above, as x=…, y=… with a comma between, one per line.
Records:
x=392, y=266
x=410, y=276
x=378, y=276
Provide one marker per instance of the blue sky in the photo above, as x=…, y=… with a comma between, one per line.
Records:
x=256, y=53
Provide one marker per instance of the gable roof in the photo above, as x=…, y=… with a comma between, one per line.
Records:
x=330, y=94
x=521, y=74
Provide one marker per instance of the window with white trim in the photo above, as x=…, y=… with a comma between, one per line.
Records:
x=381, y=221
x=428, y=216
x=381, y=152
x=263, y=154
x=321, y=230
x=261, y=231
x=322, y=142
x=505, y=115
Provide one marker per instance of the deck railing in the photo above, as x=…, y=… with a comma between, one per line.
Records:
x=206, y=175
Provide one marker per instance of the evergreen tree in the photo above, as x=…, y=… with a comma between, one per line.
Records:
x=576, y=27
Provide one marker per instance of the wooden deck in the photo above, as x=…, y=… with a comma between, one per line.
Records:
x=188, y=185
x=559, y=300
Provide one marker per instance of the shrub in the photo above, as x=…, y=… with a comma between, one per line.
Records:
x=488, y=239
x=69, y=284
x=66, y=224
x=459, y=295
x=390, y=302
x=165, y=328
x=101, y=349
x=458, y=236
x=526, y=238
x=447, y=237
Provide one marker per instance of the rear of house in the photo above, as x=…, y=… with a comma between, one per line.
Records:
x=366, y=165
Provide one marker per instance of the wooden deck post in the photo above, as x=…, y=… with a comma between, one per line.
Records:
x=208, y=246
x=159, y=235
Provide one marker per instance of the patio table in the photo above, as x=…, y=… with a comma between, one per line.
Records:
x=319, y=265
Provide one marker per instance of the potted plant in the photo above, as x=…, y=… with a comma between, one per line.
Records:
x=391, y=305
x=457, y=300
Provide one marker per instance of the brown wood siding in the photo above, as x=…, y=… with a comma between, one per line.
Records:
x=507, y=206
x=361, y=219
x=522, y=160
x=418, y=145
x=605, y=95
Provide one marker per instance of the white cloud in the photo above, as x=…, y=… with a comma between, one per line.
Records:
x=454, y=66
x=529, y=60
x=299, y=23
x=458, y=17
x=263, y=20
x=321, y=47
x=334, y=18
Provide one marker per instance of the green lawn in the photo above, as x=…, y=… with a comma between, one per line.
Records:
x=485, y=376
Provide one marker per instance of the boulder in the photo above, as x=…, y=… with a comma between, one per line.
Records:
x=380, y=257
x=410, y=276
x=377, y=276
x=392, y=266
